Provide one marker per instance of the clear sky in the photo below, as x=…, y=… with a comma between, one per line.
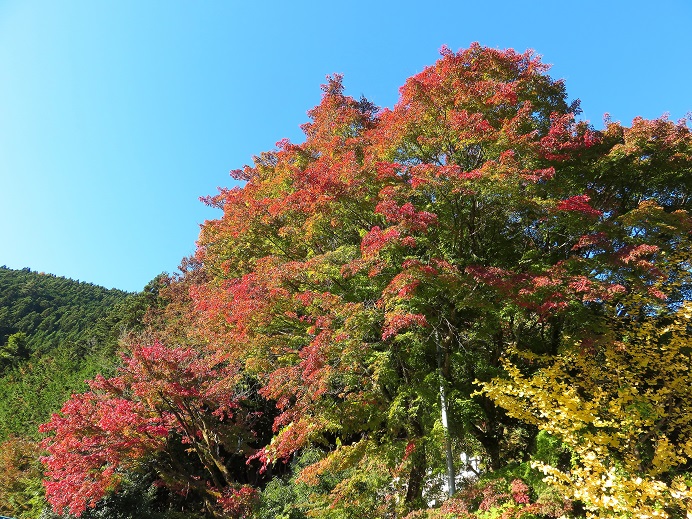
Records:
x=116, y=116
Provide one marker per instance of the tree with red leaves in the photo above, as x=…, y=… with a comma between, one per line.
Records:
x=369, y=276
x=165, y=406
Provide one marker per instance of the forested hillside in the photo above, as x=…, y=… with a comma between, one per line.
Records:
x=54, y=334
x=51, y=310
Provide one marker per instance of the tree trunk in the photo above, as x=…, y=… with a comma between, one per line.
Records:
x=451, y=473
x=414, y=492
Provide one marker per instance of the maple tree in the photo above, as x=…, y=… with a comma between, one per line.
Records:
x=163, y=406
x=365, y=283
x=475, y=214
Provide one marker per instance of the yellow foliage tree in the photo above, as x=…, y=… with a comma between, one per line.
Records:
x=622, y=405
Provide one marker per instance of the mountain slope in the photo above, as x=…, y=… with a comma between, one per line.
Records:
x=54, y=334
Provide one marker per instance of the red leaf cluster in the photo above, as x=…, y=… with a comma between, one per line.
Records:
x=578, y=204
x=160, y=392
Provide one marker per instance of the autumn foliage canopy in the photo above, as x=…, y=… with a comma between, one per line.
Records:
x=473, y=271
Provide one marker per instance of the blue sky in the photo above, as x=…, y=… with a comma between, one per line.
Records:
x=115, y=117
